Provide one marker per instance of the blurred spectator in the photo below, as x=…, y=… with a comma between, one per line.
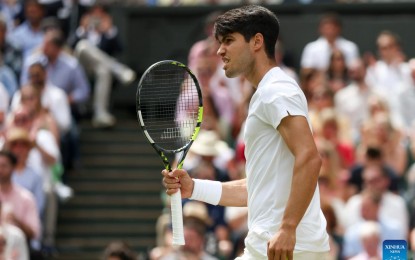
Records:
x=63, y=70
x=164, y=236
x=15, y=240
x=351, y=102
x=96, y=42
x=12, y=59
x=316, y=54
x=210, y=149
x=214, y=99
x=336, y=241
x=53, y=98
x=312, y=80
x=337, y=72
x=18, y=204
x=406, y=97
x=379, y=131
x=335, y=130
x=29, y=35
x=208, y=43
x=43, y=158
x=42, y=119
x=4, y=108
x=392, y=206
x=388, y=74
x=196, y=220
x=119, y=250
x=370, y=237
x=11, y=10
x=332, y=182
x=370, y=210
x=20, y=144
x=279, y=57
x=373, y=156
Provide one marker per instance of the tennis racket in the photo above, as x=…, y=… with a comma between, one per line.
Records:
x=169, y=110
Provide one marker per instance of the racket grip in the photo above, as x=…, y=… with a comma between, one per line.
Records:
x=177, y=218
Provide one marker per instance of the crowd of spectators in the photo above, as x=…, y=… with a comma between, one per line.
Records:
x=363, y=120
x=56, y=66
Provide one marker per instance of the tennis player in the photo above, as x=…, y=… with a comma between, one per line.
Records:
x=280, y=190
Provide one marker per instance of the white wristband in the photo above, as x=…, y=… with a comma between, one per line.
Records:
x=207, y=191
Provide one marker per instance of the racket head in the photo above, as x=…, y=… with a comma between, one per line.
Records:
x=169, y=108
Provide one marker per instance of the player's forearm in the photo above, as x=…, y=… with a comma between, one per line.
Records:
x=234, y=194
x=303, y=186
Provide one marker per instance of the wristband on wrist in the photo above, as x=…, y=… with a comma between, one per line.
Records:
x=207, y=191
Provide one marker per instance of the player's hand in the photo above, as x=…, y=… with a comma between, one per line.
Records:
x=281, y=245
x=178, y=179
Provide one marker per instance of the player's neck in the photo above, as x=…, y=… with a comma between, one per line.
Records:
x=261, y=68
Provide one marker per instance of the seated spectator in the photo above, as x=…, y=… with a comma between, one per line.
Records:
x=195, y=223
x=391, y=207
x=15, y=240
x=334, y=231
x=390, y=71
x=63, y=70
x=351, y=102
x=29, y=35
x=53, y=98
x=337, y=72
x=373, y=156
x=18, y=204
x=406, y=97
x=4, y=108
x=378, y=131
x=42, y=119
x=370, y=236
x=20, y=144
x=42, y=158
x=95, y=43
x=370, y=210
x=316, y=54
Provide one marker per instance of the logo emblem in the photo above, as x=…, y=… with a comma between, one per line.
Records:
x=395, y=250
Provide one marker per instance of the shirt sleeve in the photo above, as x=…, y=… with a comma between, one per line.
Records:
x=281, y=107
x=81, y=91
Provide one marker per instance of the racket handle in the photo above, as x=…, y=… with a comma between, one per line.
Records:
x=177, y=218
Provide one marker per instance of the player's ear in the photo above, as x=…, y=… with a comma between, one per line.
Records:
x=258, y=41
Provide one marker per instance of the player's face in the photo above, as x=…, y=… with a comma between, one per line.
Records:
x=236, y=54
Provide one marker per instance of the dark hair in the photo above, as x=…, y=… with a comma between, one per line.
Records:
x=332, y=18
x=12, y=158
x=119, y=249
x=56, y=37
x=248, y=21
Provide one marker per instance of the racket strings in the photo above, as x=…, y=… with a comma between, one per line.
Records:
x=169, y=105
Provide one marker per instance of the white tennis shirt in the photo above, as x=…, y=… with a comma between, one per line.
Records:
x=270, y=165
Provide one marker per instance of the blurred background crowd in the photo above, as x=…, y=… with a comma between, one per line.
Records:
x=58, y=66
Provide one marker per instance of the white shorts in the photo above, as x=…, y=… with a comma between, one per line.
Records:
x=256, y=249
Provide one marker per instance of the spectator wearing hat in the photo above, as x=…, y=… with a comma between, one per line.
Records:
x=20, y=144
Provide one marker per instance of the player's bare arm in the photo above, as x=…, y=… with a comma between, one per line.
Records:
x=299, y=139
x=234, y=193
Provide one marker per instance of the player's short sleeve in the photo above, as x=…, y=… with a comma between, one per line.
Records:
x=283, y=106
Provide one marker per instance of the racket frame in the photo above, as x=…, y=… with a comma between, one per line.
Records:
x=176, y=200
